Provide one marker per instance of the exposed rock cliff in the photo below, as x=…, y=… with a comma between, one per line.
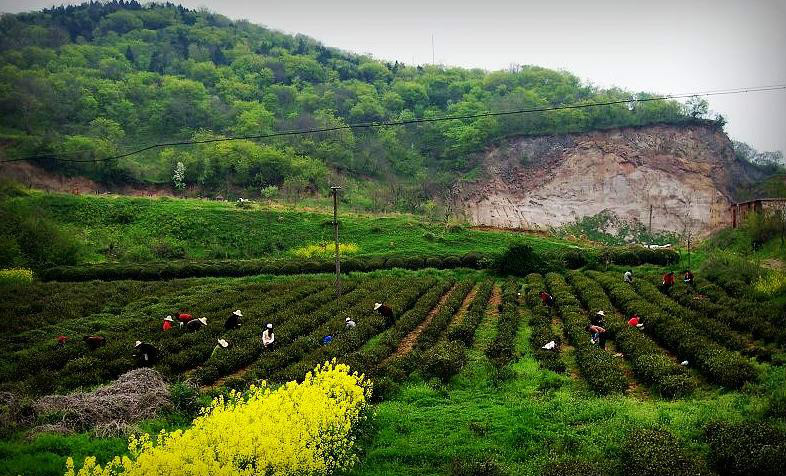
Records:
x=687, y=173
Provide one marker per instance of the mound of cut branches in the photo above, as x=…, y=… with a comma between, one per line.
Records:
x=109, y=410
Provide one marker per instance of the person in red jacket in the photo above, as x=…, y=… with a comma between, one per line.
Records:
x=168, y=323
x=547, y=298
x=184, y=318
x=668, y=281
x=61, y=341
x=634, y=321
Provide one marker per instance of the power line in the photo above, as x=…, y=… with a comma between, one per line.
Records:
x=421, y=120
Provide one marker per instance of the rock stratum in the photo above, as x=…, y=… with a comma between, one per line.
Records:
x=686, y=173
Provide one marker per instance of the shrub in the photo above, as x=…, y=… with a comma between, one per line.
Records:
x=185, y=398
x=484, y=466
x=444, y=360
x=746, y=449
x=540, y=324
x=169, y=249
x=500, y=350
x=519, y=260
x=15, y=277
x=777, y=405
x=649, y=452
x=262, y=429
x=464, y=331
x=571, y=468
x=650, y=364
x=601, y=371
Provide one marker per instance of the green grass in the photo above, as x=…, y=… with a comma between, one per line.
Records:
x=145, y=229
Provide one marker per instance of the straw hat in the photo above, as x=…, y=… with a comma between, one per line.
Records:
x=138, y=343
x=223, y=343
x=238, y=313
x=377, y=305
x=169, y=318
x=203, y=320
x=269, y=326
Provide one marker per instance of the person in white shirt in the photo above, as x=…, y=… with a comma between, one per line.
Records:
x=350, y=323
x=268, y=337
x=628, y=277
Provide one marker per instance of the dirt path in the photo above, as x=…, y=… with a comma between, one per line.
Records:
x=408, y=342
x=635, y=389
x=456, y=320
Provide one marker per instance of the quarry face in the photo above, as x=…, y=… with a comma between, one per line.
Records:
x=685, y=173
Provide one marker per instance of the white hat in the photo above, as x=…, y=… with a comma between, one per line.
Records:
x=347, y=319
x=377, y=305
x=269, y=325
x=223, y=343
x=550, y=345
x=238, y=313
x=602, y=313
x=169, y=318
x=138, y=343
x=684, y=362
x=203, y=320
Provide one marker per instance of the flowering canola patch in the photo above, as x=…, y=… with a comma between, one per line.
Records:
x=301, y=429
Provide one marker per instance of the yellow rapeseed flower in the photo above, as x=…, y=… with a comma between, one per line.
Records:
x=303, y=429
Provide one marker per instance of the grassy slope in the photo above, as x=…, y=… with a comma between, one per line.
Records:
x=209, y=229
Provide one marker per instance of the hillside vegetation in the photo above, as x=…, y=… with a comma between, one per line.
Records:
x=89, y=81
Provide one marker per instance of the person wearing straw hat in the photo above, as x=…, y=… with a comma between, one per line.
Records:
x=222, y=344
x=234, y=320
x=598, y=319
x=349, y=323
x=385, y=311
x=168, y=323
x=268, y=338
x=145, y=353
x=196, y=324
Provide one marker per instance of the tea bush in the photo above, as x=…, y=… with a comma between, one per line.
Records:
x=444, y=360
x=540, y=325
x=717, y=363
x=571, y=468
x=500, y=350
x=464, y=331
x=650, y=452
x=746, y=449
x=649, y=362
x=601, y=371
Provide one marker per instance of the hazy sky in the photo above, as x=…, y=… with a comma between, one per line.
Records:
x=665, y=46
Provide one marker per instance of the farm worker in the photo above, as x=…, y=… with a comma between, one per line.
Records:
x=688, y=278
x=327, y=340
x=234, y=320
x=385, y=311
x=61, y=341
x=597, y=319
x=222, y=344
x=628, y=276
x=168, y=323
x=668, y=280
x=349, y=323
x=94, y=342
x=547, y=298
x=550, y=345
x=145, y=353
x=634, y=321
x=196, y=324
x=598, y=335
x=268, y=337
x=184, y=318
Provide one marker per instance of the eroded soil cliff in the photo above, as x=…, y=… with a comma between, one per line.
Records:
x=686, y=173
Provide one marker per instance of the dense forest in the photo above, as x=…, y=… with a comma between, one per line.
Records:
x=89, y=81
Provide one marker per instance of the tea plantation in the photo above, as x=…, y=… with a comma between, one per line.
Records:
x=462, y=383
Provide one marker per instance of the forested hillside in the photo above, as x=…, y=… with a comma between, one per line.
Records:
x=90, y=81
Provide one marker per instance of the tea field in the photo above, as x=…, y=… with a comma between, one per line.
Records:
x=462, y=383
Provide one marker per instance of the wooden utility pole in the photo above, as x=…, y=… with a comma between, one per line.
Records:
x=334, y=190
